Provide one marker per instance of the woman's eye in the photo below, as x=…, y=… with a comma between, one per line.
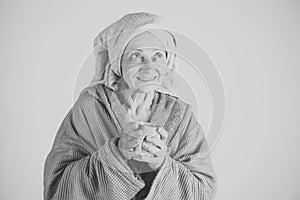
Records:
x=159, y=56
x=136, y=56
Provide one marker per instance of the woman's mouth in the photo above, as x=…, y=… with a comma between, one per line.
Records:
x=146, y=79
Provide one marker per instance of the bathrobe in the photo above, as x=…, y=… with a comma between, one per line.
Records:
x=85, y=163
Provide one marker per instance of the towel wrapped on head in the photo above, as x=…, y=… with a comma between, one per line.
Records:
x=110, y=44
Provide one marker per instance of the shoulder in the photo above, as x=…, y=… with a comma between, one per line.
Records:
x=90, y=97
x=96, y=92
x=92, y=92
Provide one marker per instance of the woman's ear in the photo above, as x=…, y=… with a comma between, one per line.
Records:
x=117, y=81
x=120, y=84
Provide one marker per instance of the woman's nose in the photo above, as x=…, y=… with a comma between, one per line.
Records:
x=146, y=60
x=147, y=69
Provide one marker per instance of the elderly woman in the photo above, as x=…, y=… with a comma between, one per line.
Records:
x=128, y=136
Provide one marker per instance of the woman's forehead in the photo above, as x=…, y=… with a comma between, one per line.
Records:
x=142, y=41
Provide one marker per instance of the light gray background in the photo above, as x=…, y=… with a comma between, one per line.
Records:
x=255, y=45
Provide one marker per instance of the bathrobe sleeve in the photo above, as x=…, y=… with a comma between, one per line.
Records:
x=188, y=173
x=76, y=168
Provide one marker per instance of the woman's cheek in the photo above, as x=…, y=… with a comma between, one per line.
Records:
x=129, y=77
x=163, y=73
x=167, y=78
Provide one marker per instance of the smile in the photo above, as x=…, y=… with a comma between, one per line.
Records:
x=146, y=78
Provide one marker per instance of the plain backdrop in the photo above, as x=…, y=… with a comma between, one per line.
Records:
x=255, y=45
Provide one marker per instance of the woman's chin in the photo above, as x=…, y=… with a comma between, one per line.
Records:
x=147, y=88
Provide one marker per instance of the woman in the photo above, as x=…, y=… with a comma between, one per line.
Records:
x=128, y=136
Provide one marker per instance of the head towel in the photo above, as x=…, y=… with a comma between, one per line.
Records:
x=110, y=44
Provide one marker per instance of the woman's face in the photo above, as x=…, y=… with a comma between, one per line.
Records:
x=144, y=63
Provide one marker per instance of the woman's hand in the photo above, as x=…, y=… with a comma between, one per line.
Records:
x=155, y=149
x=131, y=140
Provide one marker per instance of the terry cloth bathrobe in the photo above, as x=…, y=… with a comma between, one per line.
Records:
x=86, y=164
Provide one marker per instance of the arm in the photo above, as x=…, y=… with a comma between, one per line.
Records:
x=188, y=174
x=76, y=168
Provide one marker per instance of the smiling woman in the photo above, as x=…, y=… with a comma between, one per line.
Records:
x=144, y=66
x=128, y=136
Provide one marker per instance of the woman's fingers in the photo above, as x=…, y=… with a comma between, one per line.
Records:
x=130, y=153
x=146, y=154
x=154, y=150
x=136, y=134
x=133, y=139
x=145, y=157
x=134, y=143
x=156, y=142
x=131, y=126
x=163, y=133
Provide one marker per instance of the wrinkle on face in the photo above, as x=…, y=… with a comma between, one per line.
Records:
x=144, y=63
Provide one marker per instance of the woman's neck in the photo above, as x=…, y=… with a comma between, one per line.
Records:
x=124, y=96
x=127, y=96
